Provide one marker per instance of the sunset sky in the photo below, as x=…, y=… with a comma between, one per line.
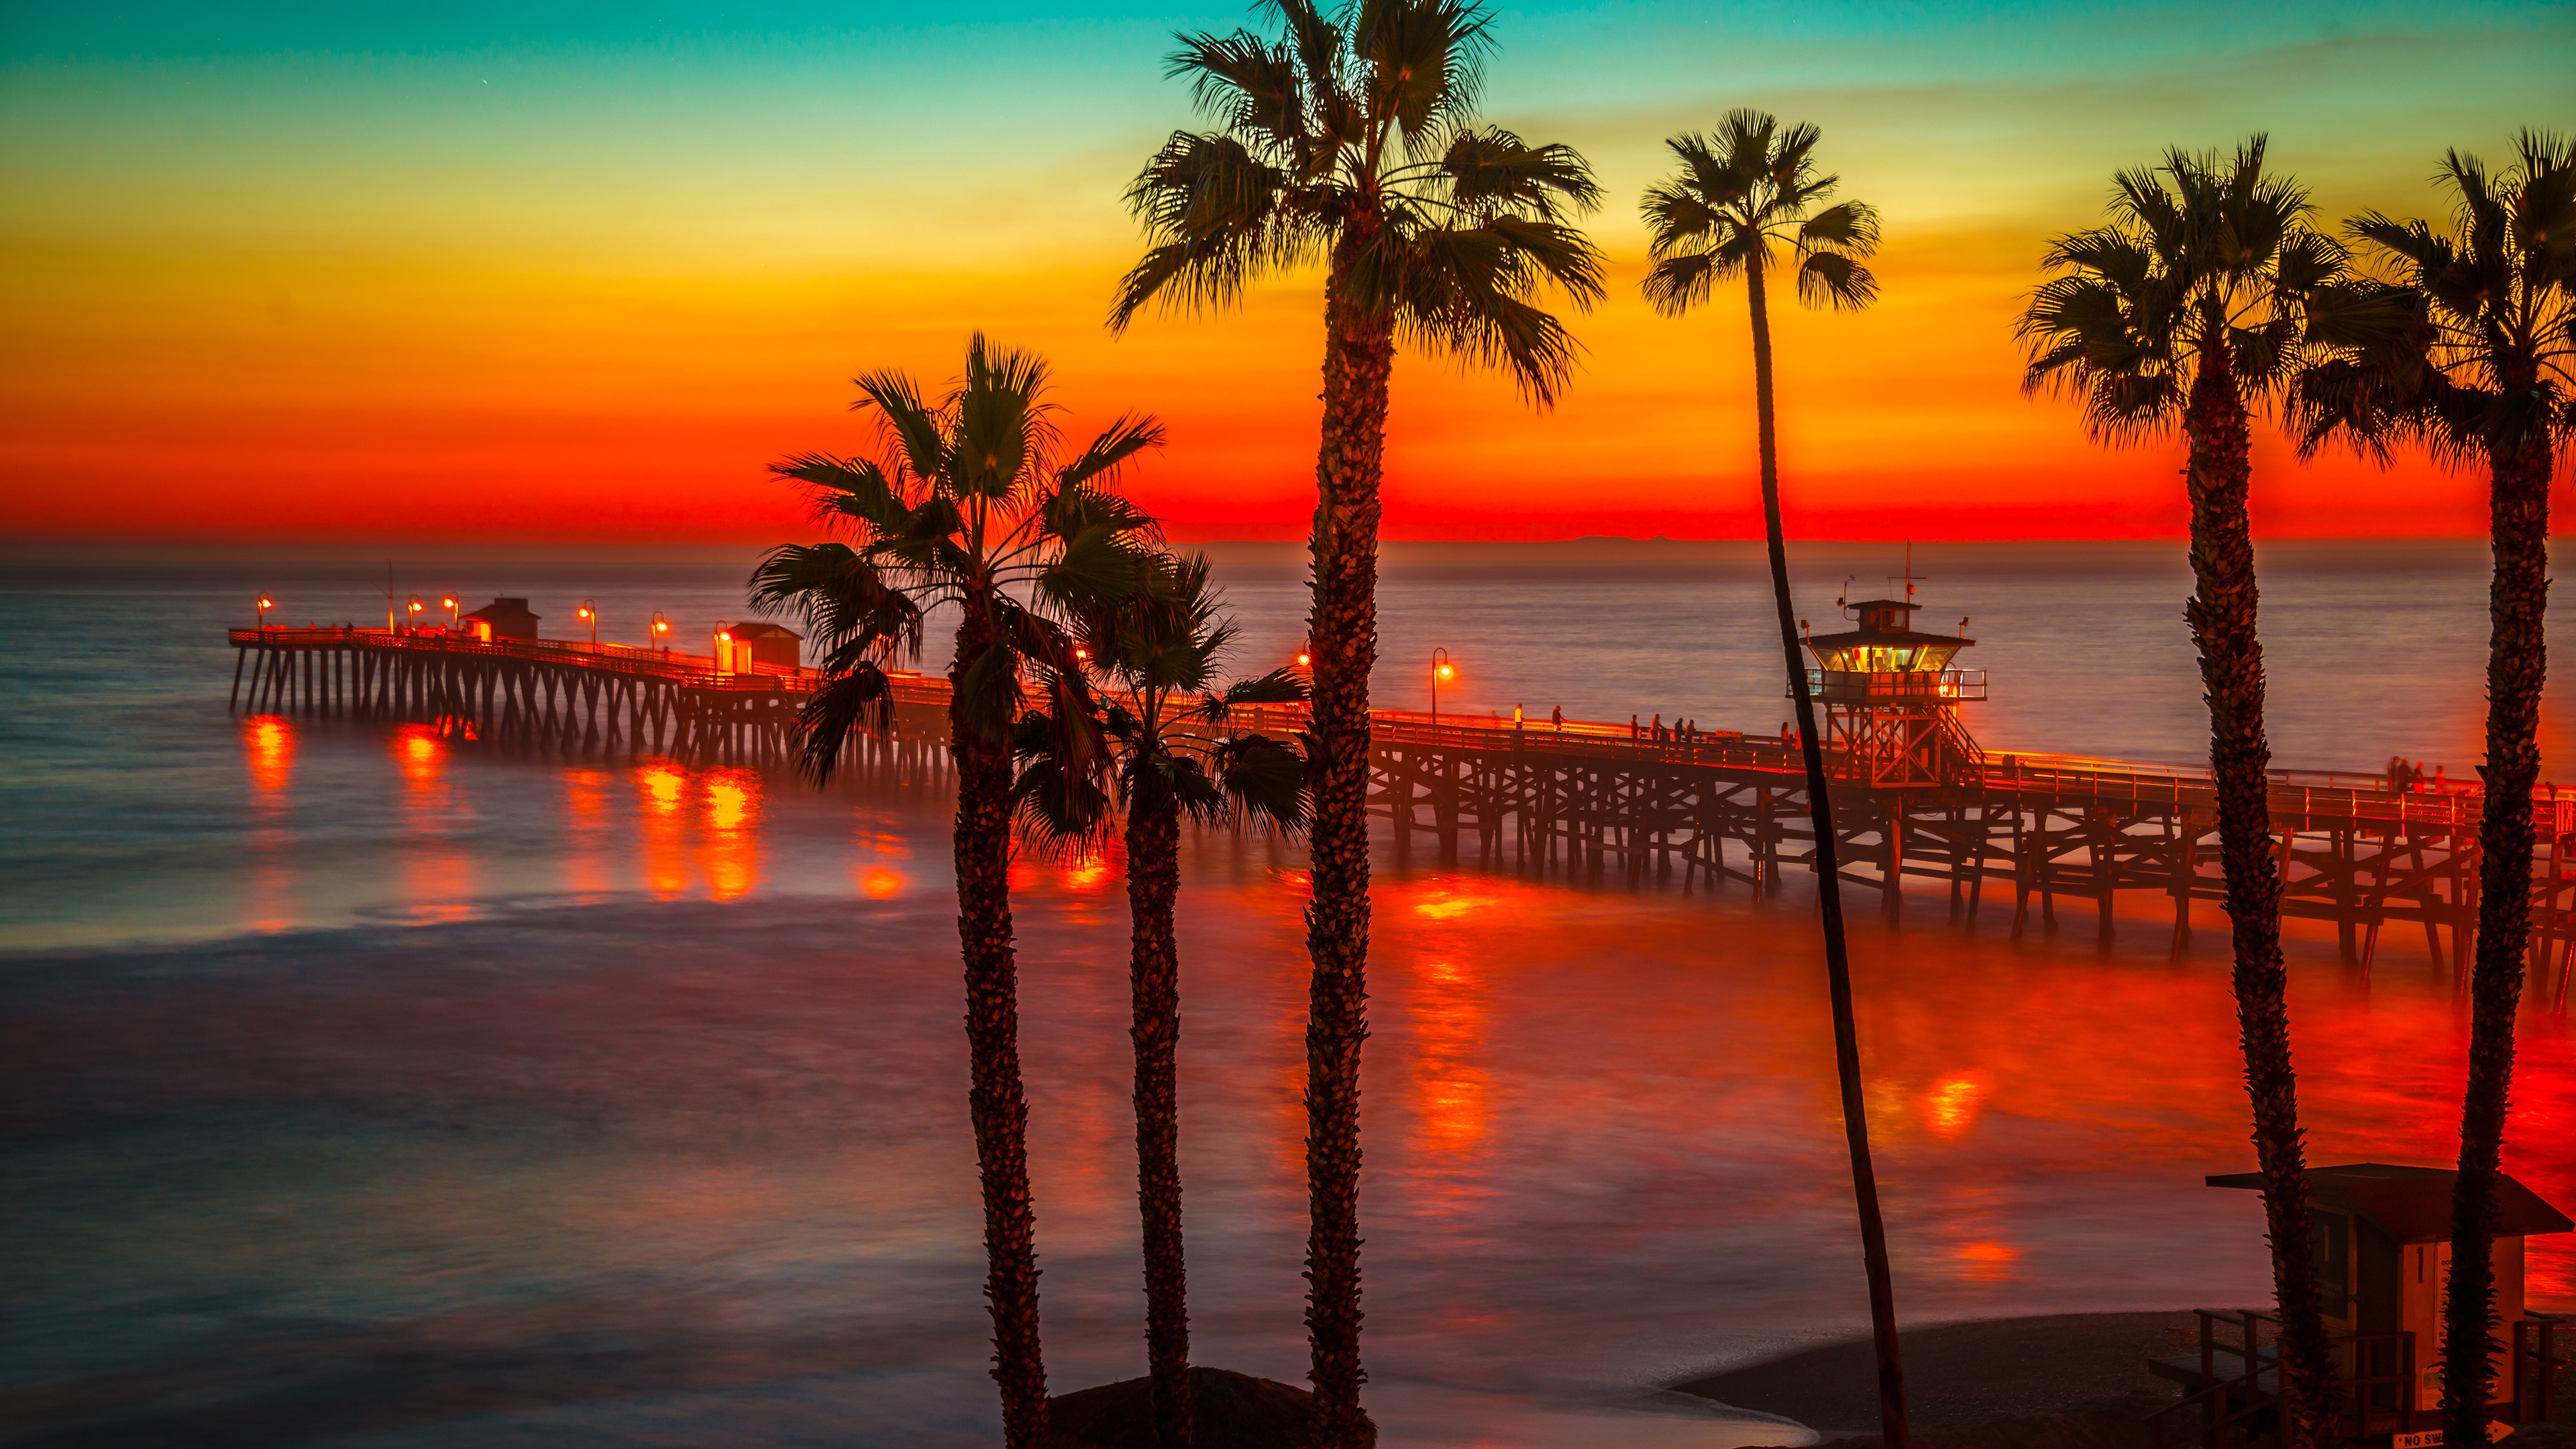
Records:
x=543, y=272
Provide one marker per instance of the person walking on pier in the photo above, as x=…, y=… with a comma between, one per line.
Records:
x=1557, y=717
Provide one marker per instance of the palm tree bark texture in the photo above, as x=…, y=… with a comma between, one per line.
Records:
x=1895, y=1431
x=996, y=1102
x=2517, y=666
x=1359, y=356
x=1153, y=887
x=2222, y=614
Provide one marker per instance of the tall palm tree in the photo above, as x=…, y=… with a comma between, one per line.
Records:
x=1349, y=140
x=2464, y=343
x=2189, y=308
x=972, y=503
x=1176, y=752
x=1744, y=200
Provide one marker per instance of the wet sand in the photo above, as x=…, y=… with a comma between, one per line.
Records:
x=1970, y=1375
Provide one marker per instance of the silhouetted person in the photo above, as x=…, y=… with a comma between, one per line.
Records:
x=1556, y=716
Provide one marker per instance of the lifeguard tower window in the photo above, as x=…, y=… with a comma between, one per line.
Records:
x=2331, y=1233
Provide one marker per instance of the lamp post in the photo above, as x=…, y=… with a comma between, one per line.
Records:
x=416, y=607
x=265, y=604
x=662, y=633
x=455, y=619
x=590, y=615
x=1441, y=672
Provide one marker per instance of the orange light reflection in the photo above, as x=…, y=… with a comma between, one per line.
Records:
x=729, y=834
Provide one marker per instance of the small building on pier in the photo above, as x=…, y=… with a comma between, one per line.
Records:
x=741, y=646
x=500, y=619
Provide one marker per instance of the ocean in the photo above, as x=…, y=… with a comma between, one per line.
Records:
x=369, y=1088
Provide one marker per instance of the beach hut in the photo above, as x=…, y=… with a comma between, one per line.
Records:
x=2382, y=1238
x=500, y=619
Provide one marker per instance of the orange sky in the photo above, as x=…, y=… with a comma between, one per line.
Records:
x=580, y=287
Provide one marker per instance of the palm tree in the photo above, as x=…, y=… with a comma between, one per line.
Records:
x=1350, y=140
x=1177, y=752
x=2189, y=308
x=970, y=503
x=2465, y=344
x=1740, y=198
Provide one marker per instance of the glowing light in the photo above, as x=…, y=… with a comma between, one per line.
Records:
x=1446, y=671
x=663, y=791
x=880, y=884
x=1082, y=654
x=1987, y=1261
x=271, y=742
x=1950, y=1106
x=1303, y=660
x=728, y=805
x=1453, y=1090
x=1087, y=875
x=420, y=753
x=729, y=845
x=1450, y=907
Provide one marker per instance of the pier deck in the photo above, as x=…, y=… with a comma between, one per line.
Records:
x=1587, y=799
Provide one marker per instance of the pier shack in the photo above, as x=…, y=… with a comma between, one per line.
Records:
x=2382, y=1239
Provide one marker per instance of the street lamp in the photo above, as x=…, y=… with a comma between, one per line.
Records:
x=661, y=633
x=265, y=604
x=416, y=607
x=590, y=615
x=1441, y=673
x=455, y=620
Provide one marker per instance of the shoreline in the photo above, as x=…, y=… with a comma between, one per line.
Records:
x=1976, y=1375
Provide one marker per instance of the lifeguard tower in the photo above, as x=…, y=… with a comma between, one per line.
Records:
x=2381, y=1233
x=1891, y=699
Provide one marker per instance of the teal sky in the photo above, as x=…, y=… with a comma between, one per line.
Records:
x=307, y=226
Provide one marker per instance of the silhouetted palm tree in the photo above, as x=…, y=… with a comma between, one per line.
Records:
x=1177, y=751
x=2465, y=344
x=1742, y=199
x=2189, y=308
x=971, y=504
x=1349, y=140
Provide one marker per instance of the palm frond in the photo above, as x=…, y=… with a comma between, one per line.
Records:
x=917, y=429
x=851, y=611
x=862, y=698
x=1831, y=279
x=1264, y=780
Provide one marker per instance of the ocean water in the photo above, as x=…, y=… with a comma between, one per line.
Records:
x=362, y=1088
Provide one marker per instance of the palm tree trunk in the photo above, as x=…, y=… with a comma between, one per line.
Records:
x=1359, y=356
x=1154, y=965
x=995, y=1100
x=2517, y=663
x=2222, y=615
x=1873, y=1232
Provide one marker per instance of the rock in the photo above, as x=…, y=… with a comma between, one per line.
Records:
x=1229, y=1411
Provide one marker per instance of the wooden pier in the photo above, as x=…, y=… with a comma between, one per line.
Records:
x=2035, y=832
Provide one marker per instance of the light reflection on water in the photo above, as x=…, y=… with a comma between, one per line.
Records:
x=525, y=1102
